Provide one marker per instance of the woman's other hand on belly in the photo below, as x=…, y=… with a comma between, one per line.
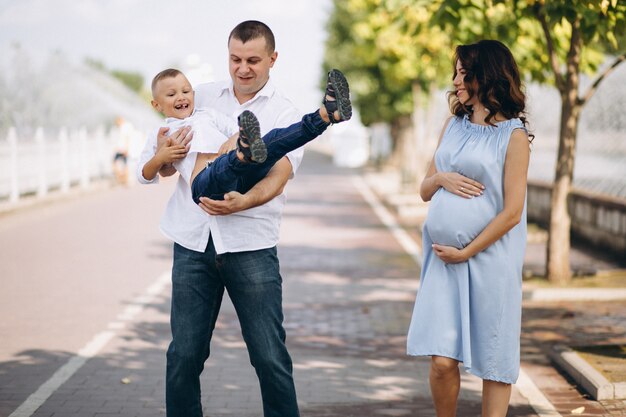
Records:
x=449, y=254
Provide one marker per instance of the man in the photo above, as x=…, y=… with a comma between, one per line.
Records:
x=234, y=250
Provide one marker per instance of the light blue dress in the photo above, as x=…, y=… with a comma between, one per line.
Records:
x=471, y=311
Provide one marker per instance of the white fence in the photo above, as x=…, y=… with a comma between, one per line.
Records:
x=39, y=163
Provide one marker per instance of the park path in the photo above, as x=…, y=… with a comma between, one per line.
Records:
x=85, y=297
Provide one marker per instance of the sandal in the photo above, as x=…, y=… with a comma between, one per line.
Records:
x=249, y=142
x=338, y=89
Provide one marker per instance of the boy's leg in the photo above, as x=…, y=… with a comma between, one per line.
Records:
x=336, y=108
x=227, y=173
x=216, y=179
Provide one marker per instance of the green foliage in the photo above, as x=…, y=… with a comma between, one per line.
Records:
x=517, y=23
x=385, y=47
x=132, y=80
x=95, y=63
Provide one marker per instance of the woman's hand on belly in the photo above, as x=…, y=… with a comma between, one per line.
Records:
x=460, y=185
x=449, y=254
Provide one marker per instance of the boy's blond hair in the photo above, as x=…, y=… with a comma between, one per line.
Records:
x=167, y=73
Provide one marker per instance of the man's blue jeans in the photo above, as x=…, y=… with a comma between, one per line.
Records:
x=227, y=173
x=254, y=285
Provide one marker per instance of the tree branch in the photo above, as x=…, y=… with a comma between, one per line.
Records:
x=594, y=87
x=554, y=62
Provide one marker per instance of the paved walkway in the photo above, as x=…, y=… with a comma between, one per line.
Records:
x=349, y=288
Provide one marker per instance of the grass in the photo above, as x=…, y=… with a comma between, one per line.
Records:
x=609, y=360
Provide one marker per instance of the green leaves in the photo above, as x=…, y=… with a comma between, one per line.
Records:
x=390, y=44
x=386, y=46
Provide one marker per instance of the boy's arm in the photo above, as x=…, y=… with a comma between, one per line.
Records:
x=165, y=155
x=151, y=168
x=167, y=170
x=147, y=153
x=181, y=137
x=265, y=190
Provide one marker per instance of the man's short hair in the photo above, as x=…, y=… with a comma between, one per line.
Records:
x=253, y=29
x=167, y=73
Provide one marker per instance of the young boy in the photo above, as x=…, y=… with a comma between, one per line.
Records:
x=212, y=175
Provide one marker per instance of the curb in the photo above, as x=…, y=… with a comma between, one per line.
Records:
x=586, y=375
x=574, y=294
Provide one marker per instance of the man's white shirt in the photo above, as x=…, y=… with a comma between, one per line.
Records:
x=257, y=228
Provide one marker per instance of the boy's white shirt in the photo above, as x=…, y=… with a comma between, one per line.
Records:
x=210, y=130
x=257, y=228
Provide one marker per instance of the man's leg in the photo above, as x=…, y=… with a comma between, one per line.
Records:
x=197, y=292
x=254, y=285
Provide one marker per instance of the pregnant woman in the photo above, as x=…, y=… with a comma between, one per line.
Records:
x=468, y=307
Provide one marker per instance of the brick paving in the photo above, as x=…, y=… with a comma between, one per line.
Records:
x=348, y=295
x=572, y=323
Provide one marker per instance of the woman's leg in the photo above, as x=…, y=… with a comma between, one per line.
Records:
x=496, y=397
x=445, y=383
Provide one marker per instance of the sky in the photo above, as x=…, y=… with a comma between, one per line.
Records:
x=150, y=35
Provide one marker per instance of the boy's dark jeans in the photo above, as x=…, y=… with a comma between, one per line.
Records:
x=227, y=173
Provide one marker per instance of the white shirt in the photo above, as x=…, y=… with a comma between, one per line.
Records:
x=257, y=228
x=210, y=130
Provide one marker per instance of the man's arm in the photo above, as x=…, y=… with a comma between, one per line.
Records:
x=265, y=190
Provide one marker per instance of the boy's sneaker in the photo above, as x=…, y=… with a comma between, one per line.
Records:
x=249, y=142
x=337, y=88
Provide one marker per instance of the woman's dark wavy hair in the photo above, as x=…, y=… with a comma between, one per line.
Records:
x=492, y=75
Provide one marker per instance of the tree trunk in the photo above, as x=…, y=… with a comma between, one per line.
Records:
x=558, y=250
x=403, y=137
x=558, y=266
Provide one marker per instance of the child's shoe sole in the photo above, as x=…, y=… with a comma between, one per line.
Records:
x=342, y=93
x=251, y=129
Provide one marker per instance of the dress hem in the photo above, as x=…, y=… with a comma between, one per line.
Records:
x=456, y=358
x=466, y=369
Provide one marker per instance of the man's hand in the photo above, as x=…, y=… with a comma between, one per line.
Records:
x=229, y=145
x=232, y=203
x=265, y=190
x=180, y=137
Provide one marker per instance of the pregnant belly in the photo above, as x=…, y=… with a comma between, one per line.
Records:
x=456, y=221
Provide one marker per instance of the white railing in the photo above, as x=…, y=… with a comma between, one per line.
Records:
x=39, y=163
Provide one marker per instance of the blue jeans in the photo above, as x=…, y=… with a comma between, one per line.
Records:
x=227, y=173
x=254, y=285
